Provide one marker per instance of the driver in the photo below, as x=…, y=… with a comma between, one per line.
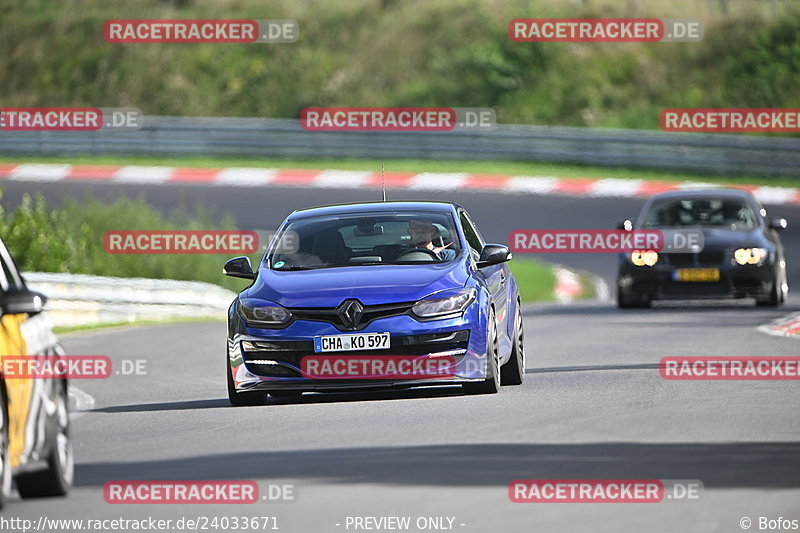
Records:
x=422, y=233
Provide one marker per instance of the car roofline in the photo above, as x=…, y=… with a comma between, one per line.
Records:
x=377, y=206
x=710, y=191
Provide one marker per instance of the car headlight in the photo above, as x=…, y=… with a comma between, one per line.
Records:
x=750, y=256
x=262, y=313
x=644, y=258
x=444, y=305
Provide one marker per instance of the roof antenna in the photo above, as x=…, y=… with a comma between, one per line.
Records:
x=383, y=183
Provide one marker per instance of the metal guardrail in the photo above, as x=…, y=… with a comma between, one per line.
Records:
x=169, y=136
x=76, y=299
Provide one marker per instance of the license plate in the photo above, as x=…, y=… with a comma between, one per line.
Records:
x=348, y=343
x=696, y=274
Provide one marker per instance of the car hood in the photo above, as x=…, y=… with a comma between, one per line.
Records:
x=371, y=285
x=722, y=238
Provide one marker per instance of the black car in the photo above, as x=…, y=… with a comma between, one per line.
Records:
x=741, y=256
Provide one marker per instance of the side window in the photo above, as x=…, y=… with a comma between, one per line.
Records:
x=473, y=237
x=9, y=278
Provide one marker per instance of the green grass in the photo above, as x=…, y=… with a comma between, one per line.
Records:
x=514, y=168
x=536, y=279
x=588, y=291
x=69, y=238
x=454, y=53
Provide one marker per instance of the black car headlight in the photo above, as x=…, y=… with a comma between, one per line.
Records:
x=750, y=256
x=444, y=304
x=644, y=257
x=262, y=313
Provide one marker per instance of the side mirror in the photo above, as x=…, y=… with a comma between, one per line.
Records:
x=22, y=301
x=239, y=267
x=626, y=224
x=493, y=254
x=776, y=223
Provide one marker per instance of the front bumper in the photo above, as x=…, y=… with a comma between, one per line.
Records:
x=277, y=364
x=658, y=282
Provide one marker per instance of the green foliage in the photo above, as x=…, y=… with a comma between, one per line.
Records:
x=414, y=53
x=69, y=239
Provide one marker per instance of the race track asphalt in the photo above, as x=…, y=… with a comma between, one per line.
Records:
x=593, y=407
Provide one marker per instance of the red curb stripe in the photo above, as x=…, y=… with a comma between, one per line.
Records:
x=486, y=181
x=394, y=180
x=647, y=188
x=91, y=172
x=194, y=175
x=574, y=186
x=294, y=176
x=5, y=169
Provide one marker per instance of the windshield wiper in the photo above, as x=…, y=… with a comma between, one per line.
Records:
x=300, y=267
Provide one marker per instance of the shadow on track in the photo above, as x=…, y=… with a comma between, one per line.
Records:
x=763, y=465
x=331, y=397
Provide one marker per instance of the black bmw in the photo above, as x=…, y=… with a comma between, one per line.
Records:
x=741, y=256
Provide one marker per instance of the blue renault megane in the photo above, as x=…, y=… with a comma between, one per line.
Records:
x=374, y=295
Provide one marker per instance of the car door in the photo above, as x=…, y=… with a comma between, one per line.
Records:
x=18, y=391
x=29, y=399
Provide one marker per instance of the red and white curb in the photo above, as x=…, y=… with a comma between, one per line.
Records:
x=569, y=286
x=356, y=179
x=788, y=326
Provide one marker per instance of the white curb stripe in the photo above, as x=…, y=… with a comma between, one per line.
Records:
x=775, y=195
x=344, y=179
x=615, y=187
x=531, y=184
x=137, y=174
x=698, y=185
x=245, y=177
x=34, y=172
x=437, y=181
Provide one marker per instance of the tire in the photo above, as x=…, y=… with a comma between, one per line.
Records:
x=626, y=303
x=243, y=399
x=774, y=299
x=5, y=467
x=491, y=385
x=513, y=372
x=56, y=479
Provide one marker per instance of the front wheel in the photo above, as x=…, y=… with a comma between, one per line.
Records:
x=5, y=467
x=513, y=372
x=243, y=399
x=56, y=479
x=491, y=385
x=774, y=298
x=624, y=302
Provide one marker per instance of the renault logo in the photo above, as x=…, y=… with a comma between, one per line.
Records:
x=350, y=312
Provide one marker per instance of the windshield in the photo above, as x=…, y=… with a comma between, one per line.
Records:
x=732, y=213
x=369, y=239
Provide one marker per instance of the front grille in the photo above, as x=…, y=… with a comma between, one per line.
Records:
x=333, y=315
x=715, y=288
x=294, y=351
x=702, y=259
x=276, y=371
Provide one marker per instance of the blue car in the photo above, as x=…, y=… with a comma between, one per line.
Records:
x=374, y=296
